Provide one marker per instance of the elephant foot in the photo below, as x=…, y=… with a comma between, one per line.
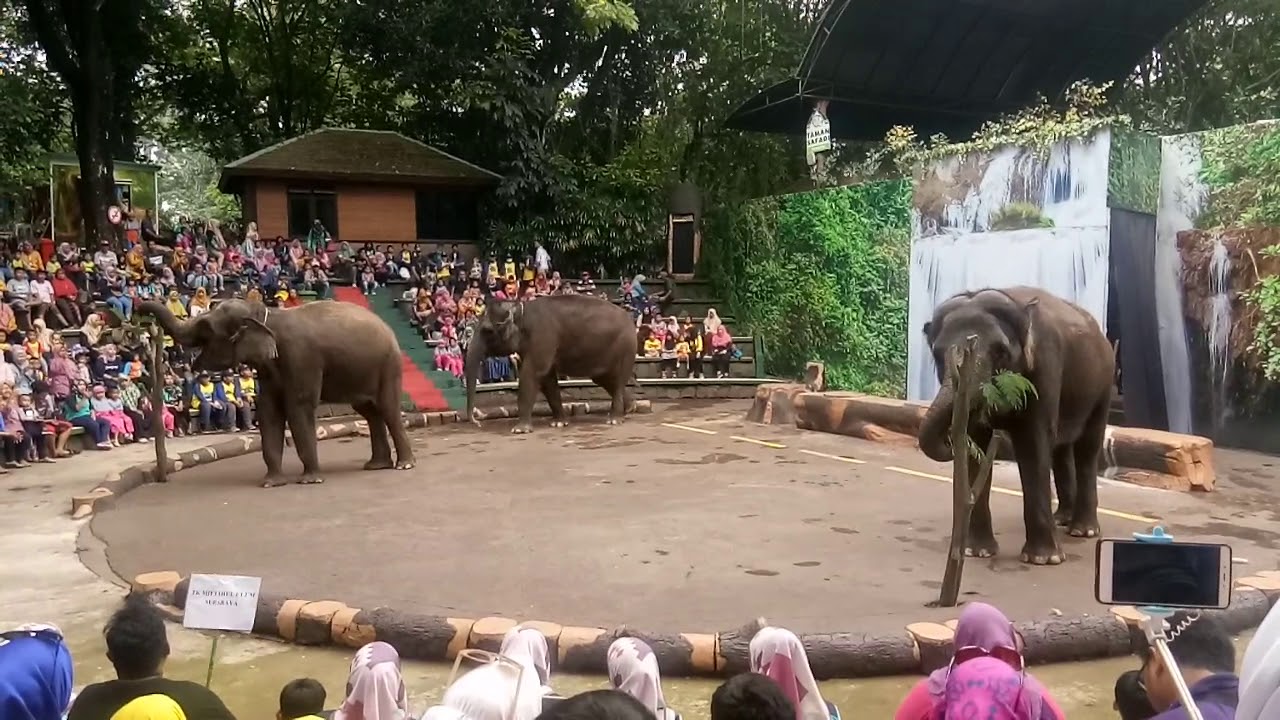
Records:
x=310, y=479
x=613, y=421
x=522, y=428
x=1035, y=553
x=1062, y=516
x=272, y=481
x=379, y=464
x=559, y=423
x=981, y=547
x=1084, y=528
x=405, y=464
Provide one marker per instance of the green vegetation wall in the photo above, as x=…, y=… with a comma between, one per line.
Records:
x=820, y=275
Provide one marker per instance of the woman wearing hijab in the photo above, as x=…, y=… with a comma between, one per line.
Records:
x=249, y=246
x=711, y=322
x=491, y=692
x=375, y=688
x=633, y=669
x=1260, y=672
x=982, y=631
x=35, y=674
x=92, y=329
x=529, y=648
x=778, y=654
x=199, y=303
x=988, y=688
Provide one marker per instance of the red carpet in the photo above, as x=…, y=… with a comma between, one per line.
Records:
x=421, y=391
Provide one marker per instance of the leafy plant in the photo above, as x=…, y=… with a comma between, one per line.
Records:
x=821, y=275
x=1019, y=216
x=1265, y=296
x=1007, y=392
x=1241, y=167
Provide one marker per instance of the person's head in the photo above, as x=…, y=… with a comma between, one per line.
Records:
x=20, y=274
x=489, y=692
x=991, y=684
x=1200, y=646
x=1131, y=697
x=246, y=371
x=598, y=705
x=750, y=696
x=60, y=274
x=203, y=378
x=24, y=401
x=633, y=669
x=524, y=645
x=779, y=655
x=300, y=698
x=374, y=683
x=35, y=674
x=99, y=391
x=136, y=642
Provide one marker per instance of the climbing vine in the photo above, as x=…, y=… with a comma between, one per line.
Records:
x=1037, y=127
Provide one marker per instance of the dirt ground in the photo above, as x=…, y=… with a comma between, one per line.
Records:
x=688, y=519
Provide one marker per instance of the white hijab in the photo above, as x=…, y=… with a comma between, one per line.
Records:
x=1260, y=672
x=711, y=322
x=778, y=654
x=529, y=648
x=633, y=669
x=486, y=693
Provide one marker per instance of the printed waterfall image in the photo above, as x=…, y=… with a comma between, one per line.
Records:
x=1010, y=216
x=1220, y=211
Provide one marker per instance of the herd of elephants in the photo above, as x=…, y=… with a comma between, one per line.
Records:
x=333, y=352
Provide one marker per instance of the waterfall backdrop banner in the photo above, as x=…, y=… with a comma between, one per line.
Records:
x=820, y=275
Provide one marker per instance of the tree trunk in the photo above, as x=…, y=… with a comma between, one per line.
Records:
x=97, y=171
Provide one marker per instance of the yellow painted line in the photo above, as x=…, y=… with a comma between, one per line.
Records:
x=829, y=456
x=1018, y=493
x=766, y=443
x=678, y=426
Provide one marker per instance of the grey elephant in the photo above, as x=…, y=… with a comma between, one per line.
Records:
x=321, y=352
x=574, y=335
x=1059, y=347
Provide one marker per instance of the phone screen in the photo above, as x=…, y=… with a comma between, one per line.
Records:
x=1182, y=574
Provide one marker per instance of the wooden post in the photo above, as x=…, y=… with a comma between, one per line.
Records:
x=157, y=402
x=961, y=496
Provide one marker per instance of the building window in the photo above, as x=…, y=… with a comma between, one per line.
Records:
x=447, y=214
x=307, y=205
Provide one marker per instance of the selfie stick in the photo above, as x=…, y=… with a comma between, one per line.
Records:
x=1154, y=626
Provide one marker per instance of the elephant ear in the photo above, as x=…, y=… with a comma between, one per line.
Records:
x=254, y=342
x=1032, y=308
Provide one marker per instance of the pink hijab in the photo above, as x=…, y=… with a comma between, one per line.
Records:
x=633, y=669
x=990, y=689
x=529, y=648
x=375, y=689
x=984, y=626
x=778, y=653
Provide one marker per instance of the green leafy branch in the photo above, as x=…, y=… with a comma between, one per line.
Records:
x=1005, y=392
x=1265, y=296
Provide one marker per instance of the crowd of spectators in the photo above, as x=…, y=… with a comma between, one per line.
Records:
x=986, y=678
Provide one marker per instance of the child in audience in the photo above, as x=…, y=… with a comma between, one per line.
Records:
x=669, y=361
x=111, y=408
x=449, y=355
x=682, y=357
x=301, y=699
x=33, y=426
x=652, y=346
x=175, y=409
x=55, y=426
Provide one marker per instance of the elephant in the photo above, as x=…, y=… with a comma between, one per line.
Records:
x=573, y=335
x=326, y=352
x=1060, y=348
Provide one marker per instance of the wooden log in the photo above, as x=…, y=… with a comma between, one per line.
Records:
x=815, y=376
x=936, y=644
x=773, y=403
x=1183, y=456
x=833, y=655
x=414, y=636
x=861, y=416
x=1069, y=639
x=734, y=655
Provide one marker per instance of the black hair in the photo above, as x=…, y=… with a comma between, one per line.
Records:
x=598, y=705
x=136, y=640
x=300, y=698
x=1131, y=698
x=1198, y=640
x=750, y=696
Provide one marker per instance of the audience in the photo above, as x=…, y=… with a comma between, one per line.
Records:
x=750, y=696
x=633, y=669
x=1206, y=660
x=598, y=705
x=301, y=699
x=1260, y=672
x=137, y=648
x=375, y=687
x=778, y=654
x=529, y=648
x=35, y=674
x=499, y=690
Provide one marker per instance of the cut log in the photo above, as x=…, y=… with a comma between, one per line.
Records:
x=861, y=416
x=1184, y=456
x=773, y=404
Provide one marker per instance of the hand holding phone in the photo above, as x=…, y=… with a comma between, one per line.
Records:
x=1174, y=575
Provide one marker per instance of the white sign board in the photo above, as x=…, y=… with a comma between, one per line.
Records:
x=222, y=602
x=817, y=134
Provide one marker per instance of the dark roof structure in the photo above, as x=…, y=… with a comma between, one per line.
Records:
x=366, y=156
x=946, y=66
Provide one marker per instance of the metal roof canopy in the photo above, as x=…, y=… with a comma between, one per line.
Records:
x=946, y=66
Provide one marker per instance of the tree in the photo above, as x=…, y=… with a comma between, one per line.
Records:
x=33, y=116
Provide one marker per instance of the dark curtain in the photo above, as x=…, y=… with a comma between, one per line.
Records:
x=1131, y=318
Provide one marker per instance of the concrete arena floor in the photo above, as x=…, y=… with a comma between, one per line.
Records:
x=655, y=526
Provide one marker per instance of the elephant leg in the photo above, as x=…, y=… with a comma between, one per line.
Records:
x=372, y=414
x=617, y=387
x=302, y=422
x=981, y=539
x=1084, y=515
x=1031, y=447
x=393, y=420
x=551, y=389
x=1064, y=481
x=271, y=426
x=530, y=384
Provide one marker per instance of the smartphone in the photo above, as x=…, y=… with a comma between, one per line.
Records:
x=1176, y=575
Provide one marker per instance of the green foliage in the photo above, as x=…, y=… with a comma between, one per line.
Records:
x=1038, y=127
x=1006, y=392
x=1241, y=167
x=33, y=109
x=1133, y=177
x=821, y=275
x=189, y=188
x=1019, y=216
x=1265, y=296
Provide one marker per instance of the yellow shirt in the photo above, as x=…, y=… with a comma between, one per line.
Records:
x=652, y=347
x=248, y=386
x=493, y=269
x=509, y=269
x=229, y=389
x=32, y=261
x=206, y=389
x=682, y=350
x=528, y=273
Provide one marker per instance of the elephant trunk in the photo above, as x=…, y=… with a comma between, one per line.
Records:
x=179, y=330
x=935, y=431
x=476, y=354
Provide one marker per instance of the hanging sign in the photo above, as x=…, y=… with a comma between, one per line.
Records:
x=114, y=215
x=817, y=134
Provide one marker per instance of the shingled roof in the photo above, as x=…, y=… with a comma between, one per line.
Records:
x=366, y=156
x=945, y=66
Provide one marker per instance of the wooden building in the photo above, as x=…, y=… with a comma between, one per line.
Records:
x=364, y=185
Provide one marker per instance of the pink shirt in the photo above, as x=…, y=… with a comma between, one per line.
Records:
x=918, y=704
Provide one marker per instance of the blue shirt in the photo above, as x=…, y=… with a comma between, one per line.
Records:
x=1216, y=696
